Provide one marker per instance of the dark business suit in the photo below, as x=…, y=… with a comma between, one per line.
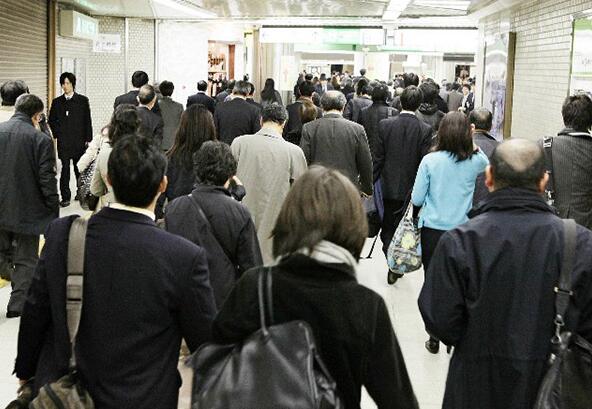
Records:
x=402, y=143
x=132, y=98
x=487, y=144
x=235, y=118
x=202, y=98
x=254, y=103
x=144, y=290
x=293, y=129
x=151, y=126
x=71, y=125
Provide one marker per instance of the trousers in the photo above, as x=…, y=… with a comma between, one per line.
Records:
x=24, y=257
x=394, y=210
x=429, y=241
x=65, y=176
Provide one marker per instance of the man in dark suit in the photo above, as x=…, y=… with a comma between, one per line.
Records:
x=144, y=290
x=335, y=142
x=151, y=125
x=202, y=98
x=237, y=117
x=71, y=125
x=139, y=79
x=402, y=143
x=250, y=97
x=323, y=85
x=455, y=98
x=29, y=195
x=371, y=116
x=482, y=120
x=221, y=97
x=293, y=129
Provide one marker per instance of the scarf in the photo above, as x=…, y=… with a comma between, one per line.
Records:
x=330, y=253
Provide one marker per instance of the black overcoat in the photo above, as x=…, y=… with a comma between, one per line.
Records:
x=71, y=124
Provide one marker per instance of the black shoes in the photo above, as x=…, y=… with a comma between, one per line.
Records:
x=432, y=345
x=13, y=314
x=393, y=277
x=64, y=203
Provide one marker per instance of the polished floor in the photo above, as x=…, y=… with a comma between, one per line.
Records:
x=427, y=372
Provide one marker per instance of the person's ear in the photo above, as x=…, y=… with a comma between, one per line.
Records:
x=163, y=184
x=489, y=182
x=543, y=183
x=472, y=129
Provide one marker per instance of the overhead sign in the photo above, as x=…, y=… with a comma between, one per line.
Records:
x=107, y=43
x=320, y=35
x=78, y=25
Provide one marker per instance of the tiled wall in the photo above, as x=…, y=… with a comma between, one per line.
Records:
x=543, y=58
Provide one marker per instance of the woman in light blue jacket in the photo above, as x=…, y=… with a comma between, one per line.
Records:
x=444, y=186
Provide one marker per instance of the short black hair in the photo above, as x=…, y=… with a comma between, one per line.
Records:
x=241, y=88
x=468, y=86
x=456, y=86
x=252, y=91
x=202, y=86
x=308, y=77
x=124, y=121
x=71, y=77
x=362, y=86
x=139, y=78
x=274, y=113
x=410, y=78
x=429, y=91
x=306, y=88
x=380, y=93
x=363, y=72
x=146, y=94
x=166, y=88
x=577, y=112
x=136, y=168
x=481, y=118
x=230, y=85
x=411, y=98
x=333, y=100
x=29, y=105
x=214, y=163
x=11, y=90
x=518, y=163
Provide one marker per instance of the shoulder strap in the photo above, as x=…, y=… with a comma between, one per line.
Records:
x=265, y=296
x=563, y=289
x=550, y=190
x=74, y=282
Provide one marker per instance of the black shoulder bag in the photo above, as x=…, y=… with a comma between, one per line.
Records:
x=276, y=367
x=568, y=381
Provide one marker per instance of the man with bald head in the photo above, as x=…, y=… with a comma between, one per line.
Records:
x=151, y=124
x=489, y=288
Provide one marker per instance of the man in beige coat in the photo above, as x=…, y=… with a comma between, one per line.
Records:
x=267, y=166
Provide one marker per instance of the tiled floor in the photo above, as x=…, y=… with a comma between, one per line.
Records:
x=427, y=372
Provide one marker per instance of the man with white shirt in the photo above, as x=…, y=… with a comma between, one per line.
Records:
x=402, y=142
x=71, y=124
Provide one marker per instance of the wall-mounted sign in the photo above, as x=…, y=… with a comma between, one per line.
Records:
x=107, y=43
x=581, y=63
x=78, y=25
x=320, y=35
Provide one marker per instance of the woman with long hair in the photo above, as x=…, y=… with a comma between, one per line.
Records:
x=444, y=186
x=317, y=240
x=269, y=95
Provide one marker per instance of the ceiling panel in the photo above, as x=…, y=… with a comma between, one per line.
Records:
x=441, y=8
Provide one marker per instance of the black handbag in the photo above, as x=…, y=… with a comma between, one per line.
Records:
x=276, y=367
x=568, y=381
x=88, y=201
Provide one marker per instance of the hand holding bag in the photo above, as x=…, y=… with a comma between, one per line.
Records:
x=403, y=252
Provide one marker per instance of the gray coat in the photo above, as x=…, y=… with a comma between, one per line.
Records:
x=341, y=144
x=171, y=115
x=454, y=101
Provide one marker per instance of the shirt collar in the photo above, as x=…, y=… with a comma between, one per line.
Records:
x=269, y=132
x=68, y=98
x=408, y=112
x=139, y=210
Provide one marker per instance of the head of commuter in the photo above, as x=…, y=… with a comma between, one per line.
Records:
x=410, y=78
x=380, y=94
x=31, y=106
x=308, y=111
x=308, y=77
x=241, y=89
x=139, y=78
x=577, y=113
x=335, y=83
x=448, y=86
x=124, y=121
x=517, y=163
x=214, y=164
x=362, y=87
x=363, y=72
x=481, y=119
x=136, y=171
x=230, y=86
x=11, y=90
x=323, y=79
x=68, y=83
x=429, y=91
x=322, y=205
x=195, y=128
x=306, y=89
x=268, y=92
x=166, y=88
x=147, y=96
x=274, y=116
x=455, y=136
x=202, y=86
x=456, y=87
x=251, y=90
x=411, y=98
x=466, y=89
x=333, y=101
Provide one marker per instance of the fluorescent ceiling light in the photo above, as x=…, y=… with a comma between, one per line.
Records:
x=462, y=5
x=191, y=11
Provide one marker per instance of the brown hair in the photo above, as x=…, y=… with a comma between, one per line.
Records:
x=195, y=128
x=455, y=136
x=308, y=112
x=321, y=205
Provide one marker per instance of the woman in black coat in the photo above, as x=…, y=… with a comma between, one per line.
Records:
x=318, y=238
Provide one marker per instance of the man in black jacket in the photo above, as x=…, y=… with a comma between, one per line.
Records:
x=371, y=116
x=482, y=120
x=144, y=290
x=251, y=97
x=139, y=79
x=202, y=98
x=152, y=125
x=402, y=143
x=221, y=97
x=489, y=288
x=293, y=128
x=428, y=111
x=29, y=198
x=237, y=117
x=71, y=125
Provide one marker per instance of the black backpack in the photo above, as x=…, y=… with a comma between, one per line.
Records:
x=276, y=367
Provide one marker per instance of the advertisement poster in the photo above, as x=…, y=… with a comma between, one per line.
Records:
x=581, y=64
x=495, y=78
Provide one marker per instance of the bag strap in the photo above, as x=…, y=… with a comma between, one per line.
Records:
x=75, y=281
x=550, y=189
x=563, y=289
x=265, y=296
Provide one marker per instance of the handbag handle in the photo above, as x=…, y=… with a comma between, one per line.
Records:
x=265, y=296
x=563, y=290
